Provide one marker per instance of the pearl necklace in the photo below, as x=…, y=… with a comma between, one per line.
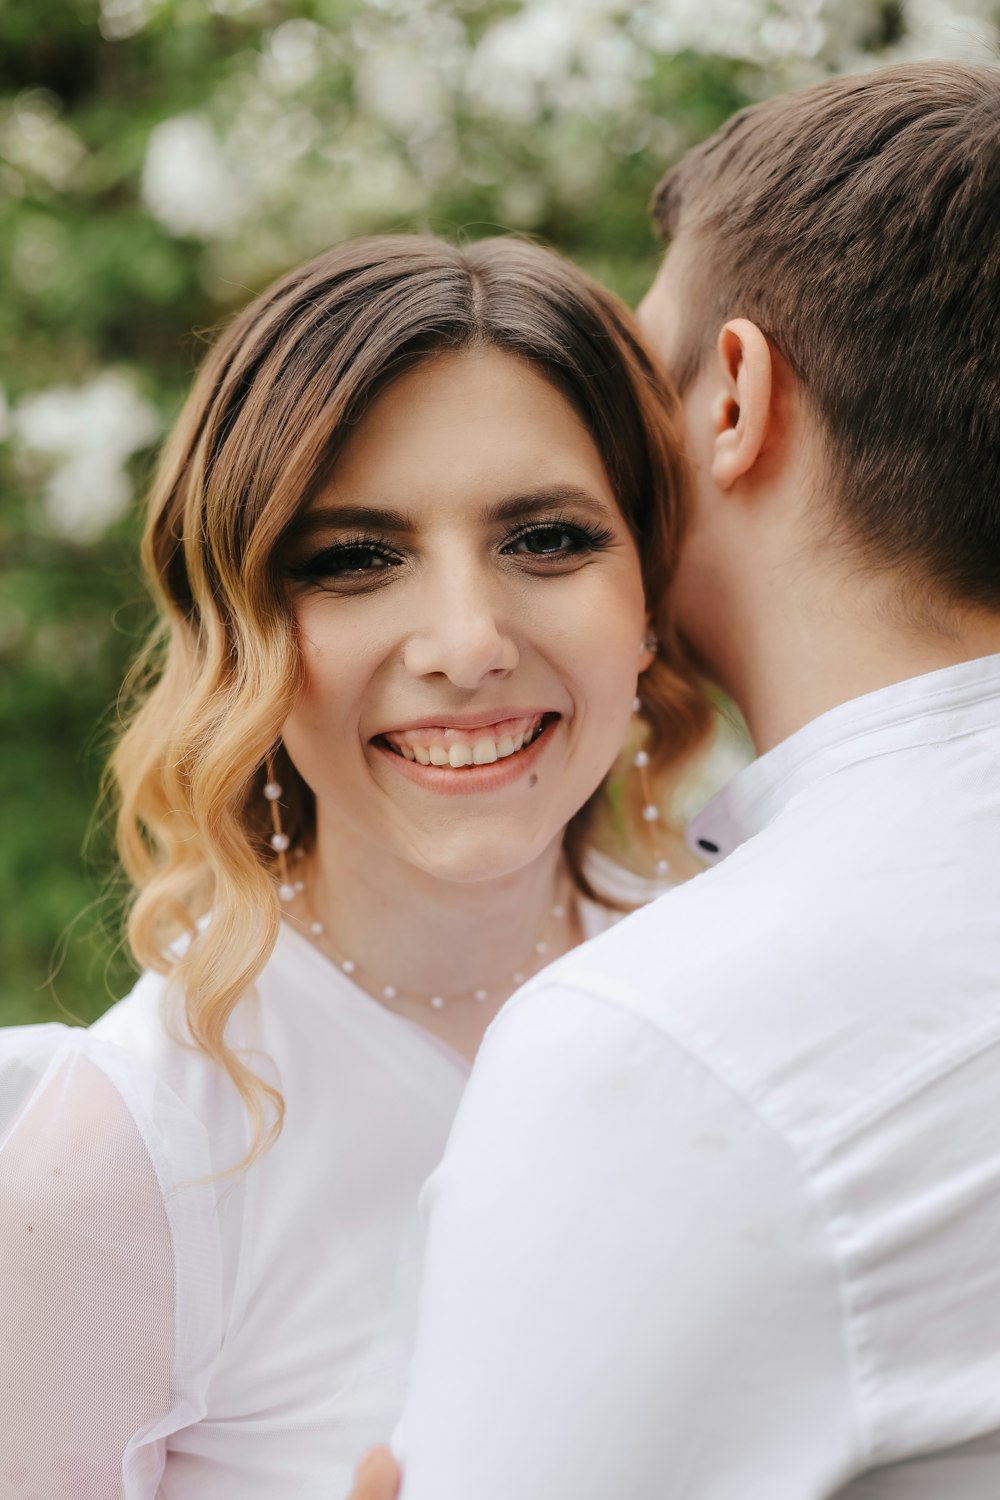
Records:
x=291, y=891
x=390, y=992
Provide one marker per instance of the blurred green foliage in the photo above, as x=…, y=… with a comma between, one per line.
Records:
x=162, y=159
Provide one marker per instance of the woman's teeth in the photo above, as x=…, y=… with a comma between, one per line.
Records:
x=482, y=751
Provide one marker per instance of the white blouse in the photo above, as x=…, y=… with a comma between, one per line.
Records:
x=173, y=1329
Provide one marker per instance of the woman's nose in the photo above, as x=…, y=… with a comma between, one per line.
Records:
x=462, y=634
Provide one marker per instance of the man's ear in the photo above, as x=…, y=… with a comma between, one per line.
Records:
x=741, y=411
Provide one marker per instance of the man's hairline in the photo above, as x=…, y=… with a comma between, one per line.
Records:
x=829, y=535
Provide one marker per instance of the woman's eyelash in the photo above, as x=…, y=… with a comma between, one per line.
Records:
x=345, y=557
x=585, y=536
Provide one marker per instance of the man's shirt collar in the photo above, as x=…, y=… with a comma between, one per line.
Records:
x=934, y=706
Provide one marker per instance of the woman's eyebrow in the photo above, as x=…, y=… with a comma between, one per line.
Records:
x=361, y=517
x=510, y=508
x=545, y=498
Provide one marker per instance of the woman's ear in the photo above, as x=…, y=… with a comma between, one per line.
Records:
x=741, y=410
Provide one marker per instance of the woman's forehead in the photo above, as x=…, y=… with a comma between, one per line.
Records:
x=480, y=419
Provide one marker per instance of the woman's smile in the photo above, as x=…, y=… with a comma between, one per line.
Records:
x=448, y=759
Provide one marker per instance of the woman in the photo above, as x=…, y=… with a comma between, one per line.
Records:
x=411, y=541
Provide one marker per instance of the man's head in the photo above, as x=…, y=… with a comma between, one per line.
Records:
x=856, y=225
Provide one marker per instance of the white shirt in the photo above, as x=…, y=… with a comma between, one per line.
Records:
x=169, y=1331
x=720, y=1215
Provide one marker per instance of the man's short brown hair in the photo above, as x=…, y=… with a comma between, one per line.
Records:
x=857, y=223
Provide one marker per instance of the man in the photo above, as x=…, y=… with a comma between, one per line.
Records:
x=720, y=1216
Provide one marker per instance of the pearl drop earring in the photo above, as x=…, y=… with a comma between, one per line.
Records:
x=279, y=840
x=651, y=814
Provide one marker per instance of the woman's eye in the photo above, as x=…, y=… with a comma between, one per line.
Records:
x=547, y=539
x=557, y=539
x=348, y=562
x=355, y=559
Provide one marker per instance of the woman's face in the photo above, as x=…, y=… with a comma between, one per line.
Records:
x=470, y=614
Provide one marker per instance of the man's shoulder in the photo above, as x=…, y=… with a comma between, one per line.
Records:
x=810, y=980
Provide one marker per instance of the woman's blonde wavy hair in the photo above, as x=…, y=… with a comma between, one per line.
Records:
x=256, y=441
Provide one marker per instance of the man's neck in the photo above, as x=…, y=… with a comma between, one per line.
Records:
x=793, y=668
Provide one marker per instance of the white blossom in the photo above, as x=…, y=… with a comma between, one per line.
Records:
x=123, y=18
x=292, y=56
x=187, y=182
x=35, y=141
x=106, y=413
x=90, y=431
x=576, y=57
x=837, y=34
x=85, y=493
x=401, y=88
x=751, y=29
x=273, y=155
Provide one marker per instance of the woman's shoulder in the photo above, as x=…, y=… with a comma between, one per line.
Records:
x=132, y=1080
x=102, y=1115
x=106, y=1179
x=146, y=1047
x=125, y=1111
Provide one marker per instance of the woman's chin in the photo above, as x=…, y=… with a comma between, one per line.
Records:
x=478, y=859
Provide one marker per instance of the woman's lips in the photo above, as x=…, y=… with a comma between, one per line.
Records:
x=474, y=760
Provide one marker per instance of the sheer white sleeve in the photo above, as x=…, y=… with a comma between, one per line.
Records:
x=108, y=1268
x=627, y=1290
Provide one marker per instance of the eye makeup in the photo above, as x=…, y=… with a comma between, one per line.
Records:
x=366, y=559
x=550, y=533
